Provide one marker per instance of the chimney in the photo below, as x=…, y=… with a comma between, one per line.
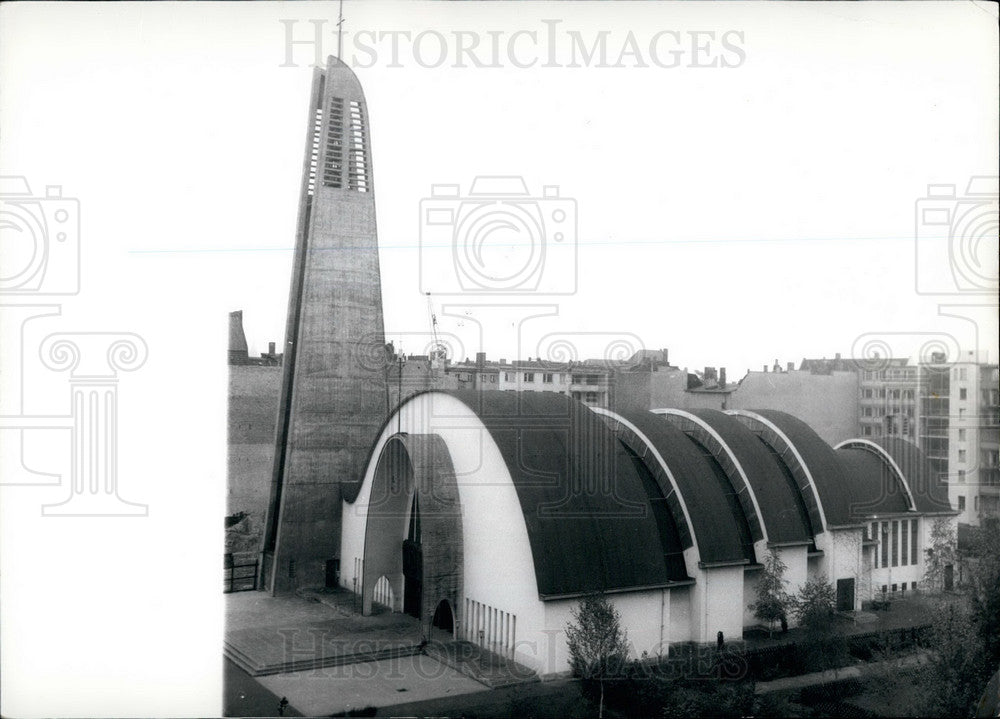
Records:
x=777, y=366
x=765, y=368
x=238, y=350
x=480, y=359
x=270, y=348
x=722, y=376
x=791, y=366
x=666, y=359
x=837, y=356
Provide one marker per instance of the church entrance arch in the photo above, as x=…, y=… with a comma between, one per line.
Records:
x=444, y=617
x=413, y=533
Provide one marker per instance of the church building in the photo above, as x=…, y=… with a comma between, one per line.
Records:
x=489, y=515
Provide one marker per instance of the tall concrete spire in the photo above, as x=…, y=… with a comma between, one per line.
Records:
x=333, y=389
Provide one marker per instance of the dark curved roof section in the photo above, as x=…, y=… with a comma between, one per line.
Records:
x=588, y=516
x=738, y=494
x=821, y=462
x=929, y=492
x=666, y=525
x=780, y=503
x=873, y=485
x=717, y=521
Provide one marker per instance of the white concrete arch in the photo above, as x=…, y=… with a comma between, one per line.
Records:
x=663, y=465
x=708, y=429
x=795, y=453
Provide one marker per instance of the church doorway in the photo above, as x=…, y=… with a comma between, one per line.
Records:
x=444, y=618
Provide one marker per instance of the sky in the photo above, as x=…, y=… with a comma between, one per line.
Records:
x=738, y=183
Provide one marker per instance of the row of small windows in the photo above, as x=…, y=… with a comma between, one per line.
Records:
x=548, y=377
x=881, y=412
x=988, y=396
x=892, y=427
x=907, y=373
x=882, y=393
x=897, y=587
x=897, y=543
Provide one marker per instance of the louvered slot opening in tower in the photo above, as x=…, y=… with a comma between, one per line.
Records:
x=357, y=161
x=333, y=158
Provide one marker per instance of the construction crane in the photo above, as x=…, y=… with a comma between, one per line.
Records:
x=439, y=351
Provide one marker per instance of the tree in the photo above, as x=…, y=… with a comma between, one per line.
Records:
x=941, y=553
x=984, y=589
x=958, y=667
x=598, y=646
x=815, y=608
x=815, y=604
x=772, y=599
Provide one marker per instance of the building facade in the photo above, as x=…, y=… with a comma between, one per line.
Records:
x=588, y=382
x=950, y=410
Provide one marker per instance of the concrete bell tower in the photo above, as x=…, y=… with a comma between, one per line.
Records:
x=333, y=392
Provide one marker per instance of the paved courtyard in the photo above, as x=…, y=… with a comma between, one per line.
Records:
x=263, y=633
x=325, y=691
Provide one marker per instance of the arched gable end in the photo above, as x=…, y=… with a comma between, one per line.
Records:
x=415, y=465
x=887, y=461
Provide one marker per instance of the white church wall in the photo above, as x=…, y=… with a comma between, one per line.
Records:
x=722, y=594
x=845, y=560
x=681, y=624
x=751, y=579
x=645, y=616
x=498, y=568
x=819, y=565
